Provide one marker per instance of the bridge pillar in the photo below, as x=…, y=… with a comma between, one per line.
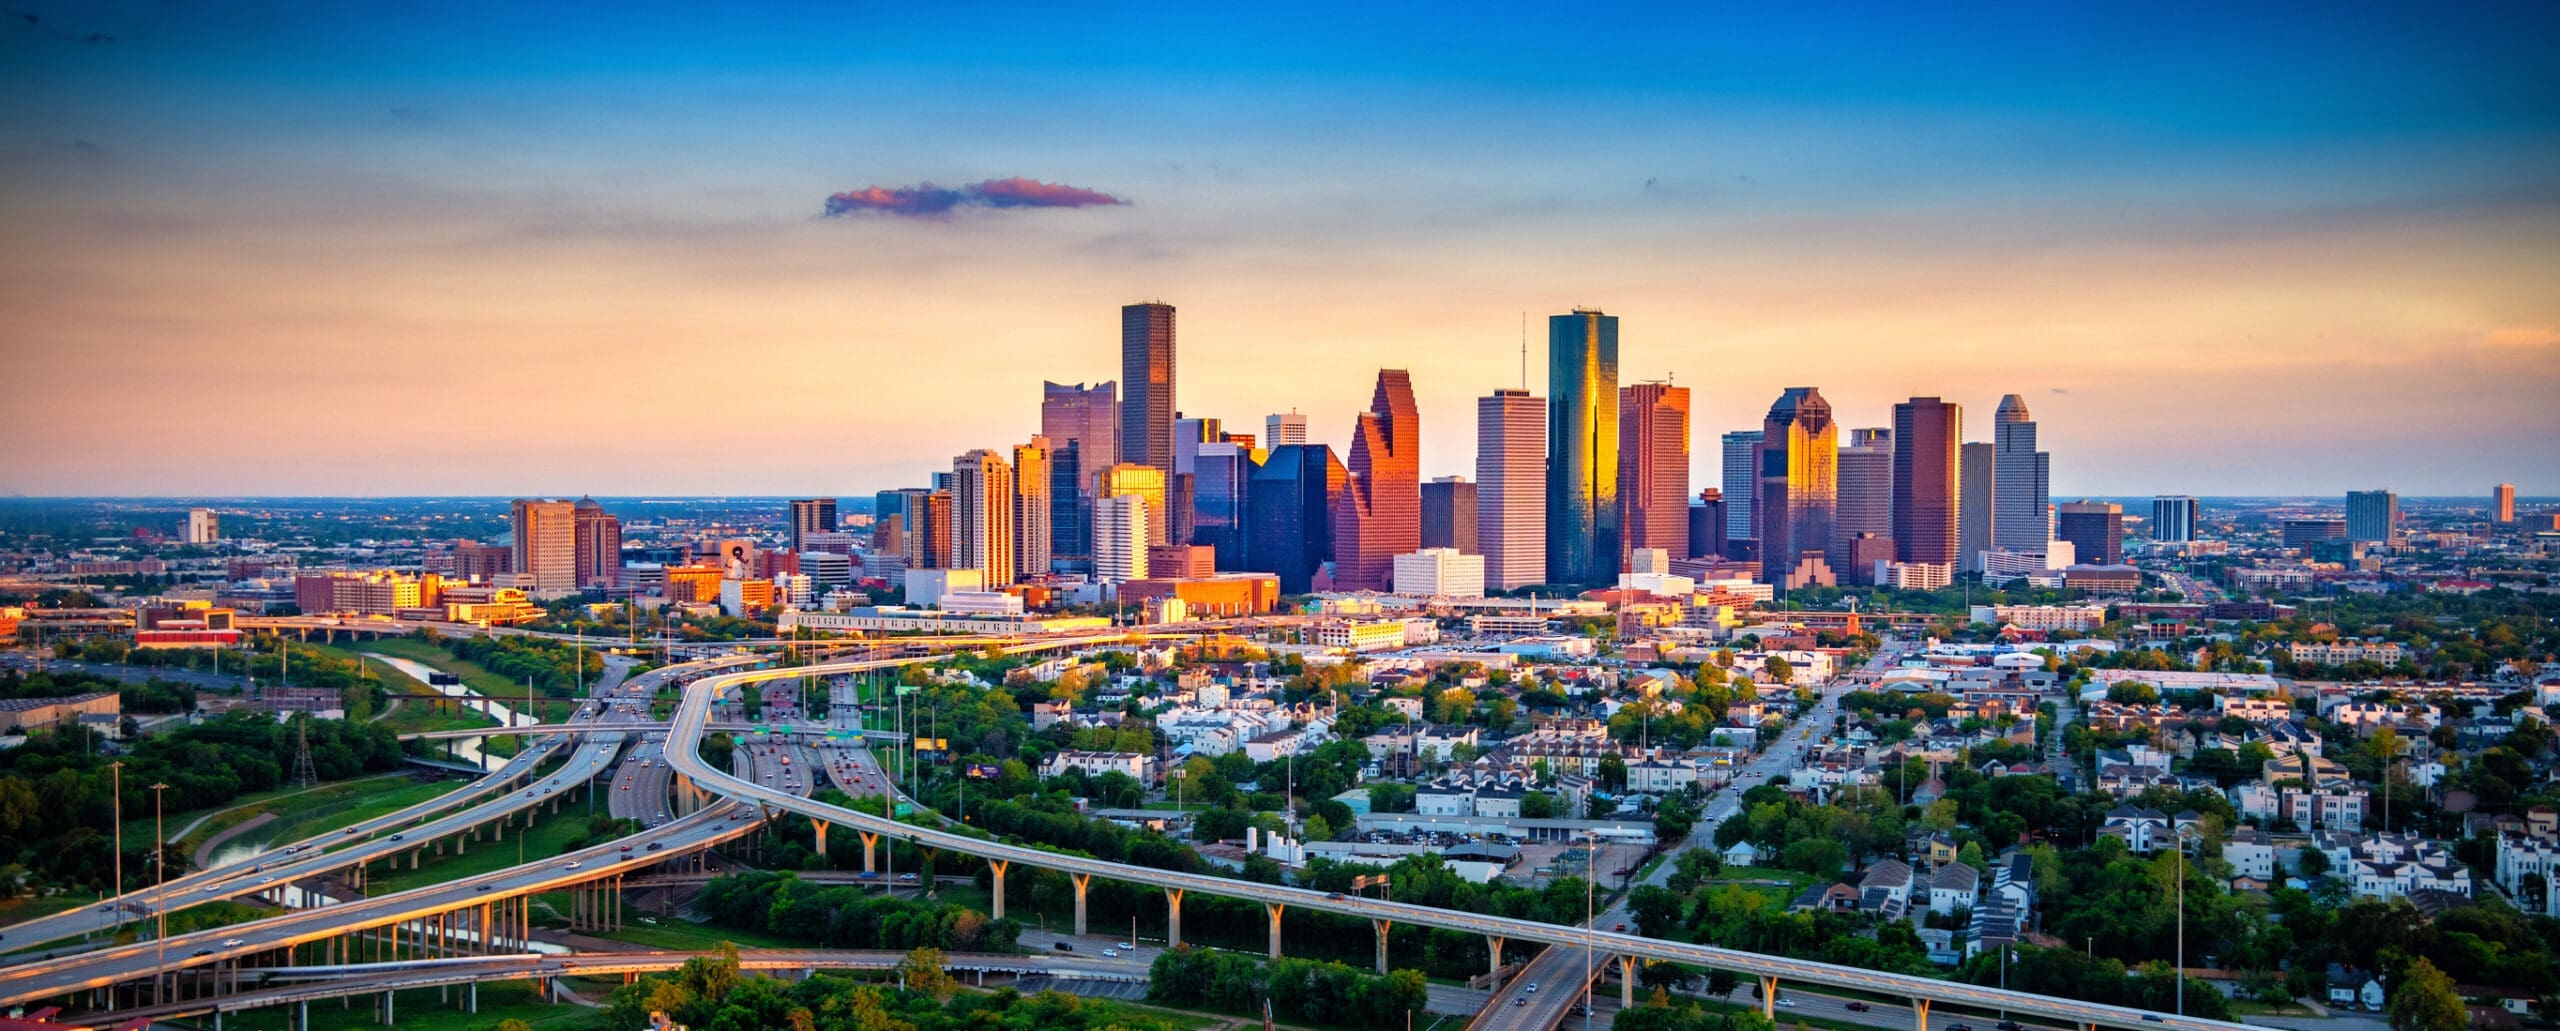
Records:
x=997, y=867
x=1920, y=1014
x=1082, y=881
x=1627, y=982
x=1172, y=918
x=870, y=852
x=386, y=1009
x=217, y=1019
x=1275, y=909
x=471, y=997
x=822, y=841
x=1382, y=926
x=1493, y=945
x=1769, y=1001
x=302, y=1016
x=461, y=844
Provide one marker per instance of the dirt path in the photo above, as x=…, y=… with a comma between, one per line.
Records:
x=204, y=852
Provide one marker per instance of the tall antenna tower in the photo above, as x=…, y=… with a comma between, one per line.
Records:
x=1524, y=350
x=303, y=773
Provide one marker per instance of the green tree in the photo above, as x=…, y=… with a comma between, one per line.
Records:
x=2424, y=1000
x=923, y=971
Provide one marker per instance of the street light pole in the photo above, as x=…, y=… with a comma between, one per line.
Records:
x=1590, y=879
x=116, y=770
x=160, y=905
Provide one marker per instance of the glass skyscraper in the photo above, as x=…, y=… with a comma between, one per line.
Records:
x=1582, y=447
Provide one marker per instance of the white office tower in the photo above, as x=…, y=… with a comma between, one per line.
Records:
x=1031, y=504
x=1864, y=481
x=203, y=527
x=1741, y=485
x=1440, y=573
x=1120, y=538
x=982, y=515
x=2173, y=518
x=1511, y=488
x=2021, y=482
x=1288, y=428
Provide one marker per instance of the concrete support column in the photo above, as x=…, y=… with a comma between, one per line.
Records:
x=1769, y=1001
x=822, y=837
x=994, y=866
x=1172, y=917
x=870, y=857
x=1493, y=946
x=1627, y=981
x=302, y=1016
x=413, y=857
x=386, y=1010
x=1276, y=910
x=471, y=997
x=1382, y=926
x=1920, y=1014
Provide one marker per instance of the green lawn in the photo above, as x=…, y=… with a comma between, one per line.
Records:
x=549, y=837
x=18, y=909
x=419, y=1010
x=321, y=819
x=679, y=933
x=282, y=801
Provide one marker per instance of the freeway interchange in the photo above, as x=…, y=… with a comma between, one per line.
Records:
x=480, y=925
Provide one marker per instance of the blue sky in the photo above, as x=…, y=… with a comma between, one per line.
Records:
x=2221, y=248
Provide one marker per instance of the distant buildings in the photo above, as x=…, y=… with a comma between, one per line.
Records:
x=2301, y=534
x=1120, y=538
x=2372, y=515
x=546, y=543
x=1707, y=525
x=1289, y=513
x=1979, y=468
x=1864, y=508
x=597, y=538
x=1927, y=433
x=1284, y=428
x=1653, y=469
x=1147, y=399
x=2173, y=518
x=1221, y=472
x=1582, y=447
x=1449, y=514
x=1440, y=573
x=1741, y=484
x=2095, y=530
x=1511, y=470
x=811, y=515
x=1798, y=487
x=1379, y=515
x=1144, y=481
x=1032, y=508
x=982, y=510
x=2021, y=488
x=203, y=527
x=2502, y=508
x=1070, y=506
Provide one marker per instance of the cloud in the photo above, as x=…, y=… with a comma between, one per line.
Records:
x=2521, y=337
x=925, y=200
x=2061, y=390
x=47, y=28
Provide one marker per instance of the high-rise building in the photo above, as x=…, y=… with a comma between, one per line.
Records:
x=1979, y=470
x=982, y=506
x=203, y=527
x=1218, y=480
x=546, y=546
x=890, y=522
x=1145, y=481
x=2022, y=482
x=1449, y=514
x=1865, y=509
x=929, y=541
x=1741, y=485
x=811, y=515
x=1799, y=486
x=1380, y=514
x=2502, y=506
x=1284, y=428
x=1926, y=434
x=2303, y=533
x=1086, y=417
x=2095, y=530
x=1120, y=538
x=1653, y=468
x=1511, y=473
x=599, y=545
x=2173, y=518
x=1440, y=573
x=1582, y=447
x=1707, y=524
x=1070, y=508
x=1189, y=434
x=2372, y=515
x=1146, y=387
x=1289, y=506
x=1032, y=544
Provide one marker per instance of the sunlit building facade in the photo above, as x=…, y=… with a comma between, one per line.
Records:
x=1926, y=434
x=1289, y=506
x=1380, y=513
x=1511, y=475
x=1653, y=469
x=1799, y=455
x=1582, y=447
x=1031, y=508
x=1145, y=481
x=1146, y=388
x=2022, y=481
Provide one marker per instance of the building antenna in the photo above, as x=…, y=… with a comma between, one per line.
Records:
x=1524, y=350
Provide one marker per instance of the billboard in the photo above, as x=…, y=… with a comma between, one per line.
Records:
x=984, y=771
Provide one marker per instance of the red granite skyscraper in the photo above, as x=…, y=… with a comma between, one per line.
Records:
x=1380, y=514
x=1926, y=435
x=1653, y=469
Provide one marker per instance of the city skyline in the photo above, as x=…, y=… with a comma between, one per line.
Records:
x=1988, y=206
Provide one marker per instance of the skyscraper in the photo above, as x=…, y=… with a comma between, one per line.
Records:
x=203, y=527
x=1289, y=506
x=1582, y=447
x=1147, y=395
x=1070, y=509
x=1865, y=509
x=2095, y=530
x=1033, y=542
x=1380, y=514
x=1706, y=524
x=1511, y=471
x=1653, y=469
x=1145, y=481
x=1085, y=417
x=1284, y=428
x=2502, y=504
x=2021, y=487
x=2372, y=514
x=1449, y=514
x=546, y=542
x=1120, y=538
x=811, y=515
x=1926, y=433
x=1741, y=484
x=982, y=515
x=598, y=540
x=2173, y=518
x=928, y=528
x=1218, y=481
x=1980, y=471
x=1799, y=452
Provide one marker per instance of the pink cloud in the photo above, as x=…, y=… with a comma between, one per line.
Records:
x=925, y=200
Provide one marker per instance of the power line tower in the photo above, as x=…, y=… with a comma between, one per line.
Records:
x=303, y=774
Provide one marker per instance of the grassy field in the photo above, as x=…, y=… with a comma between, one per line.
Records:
x=17, y=909
x=679, y=933
x=548, y=837
x=419, y=1010
x=282, y=801
x=351, y=811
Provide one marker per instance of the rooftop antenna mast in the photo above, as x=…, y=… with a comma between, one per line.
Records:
x=1524, y=350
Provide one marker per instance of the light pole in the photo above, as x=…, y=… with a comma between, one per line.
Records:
x=2182, y=921
x=160, y=904
x=116, y=771
x=1590, y=945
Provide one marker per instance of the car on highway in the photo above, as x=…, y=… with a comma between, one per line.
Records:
x=1111, y=953
x=656, y=845
x=1857, y=1007
x=1521, y=1001
x=399, y=837
x=233, y=943
x=1533, y=988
